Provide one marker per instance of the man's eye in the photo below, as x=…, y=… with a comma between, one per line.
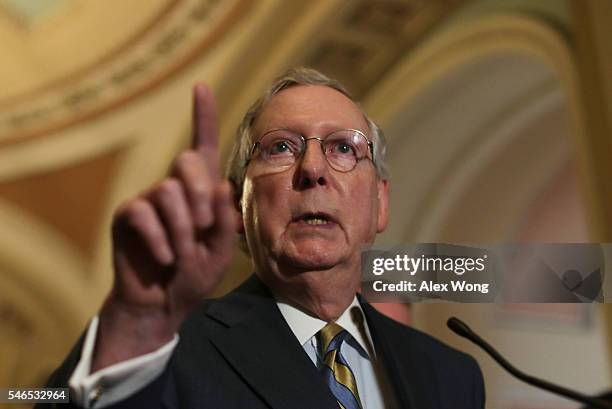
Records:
x=344, y=148
x=280, y=147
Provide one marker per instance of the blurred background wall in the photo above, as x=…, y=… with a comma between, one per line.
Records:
x=498, y=115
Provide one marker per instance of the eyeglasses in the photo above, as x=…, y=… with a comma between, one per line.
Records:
x=343, y=149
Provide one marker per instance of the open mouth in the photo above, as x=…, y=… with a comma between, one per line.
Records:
x=315, y=219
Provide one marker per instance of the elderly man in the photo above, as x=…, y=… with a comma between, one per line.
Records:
x=309, y=191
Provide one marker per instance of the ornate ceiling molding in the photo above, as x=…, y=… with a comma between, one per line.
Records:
x=184, y=30
x=458, y=101
x=364, y=39
x=466, y=43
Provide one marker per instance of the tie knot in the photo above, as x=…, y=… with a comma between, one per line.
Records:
x=331, y=337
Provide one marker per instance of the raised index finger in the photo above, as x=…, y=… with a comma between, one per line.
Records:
x=205, y=132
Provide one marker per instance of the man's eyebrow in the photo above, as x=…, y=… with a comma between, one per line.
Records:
x=325, y=129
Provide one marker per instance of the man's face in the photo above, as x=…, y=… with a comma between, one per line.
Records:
x=310, y=217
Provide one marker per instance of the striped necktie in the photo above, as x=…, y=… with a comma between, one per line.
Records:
x=335, y=369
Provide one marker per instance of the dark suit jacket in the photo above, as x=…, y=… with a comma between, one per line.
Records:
x=239, y=352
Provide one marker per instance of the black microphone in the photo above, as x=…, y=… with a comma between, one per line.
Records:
x=460, y=328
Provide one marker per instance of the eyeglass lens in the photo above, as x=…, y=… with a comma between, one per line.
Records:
x=343, y=149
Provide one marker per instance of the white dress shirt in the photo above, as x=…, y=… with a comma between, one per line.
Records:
x=354, y=350
x=116, y=382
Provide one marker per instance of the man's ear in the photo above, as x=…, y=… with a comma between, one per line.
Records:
x=237, y=196
x=383, y=205
x=242, y=243
x=239, y=223
x=239, y=219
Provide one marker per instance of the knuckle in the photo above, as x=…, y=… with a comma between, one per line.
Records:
x=184, y=158
x=126, y=210
x=167, y=188
x=131, y=215
x=182, y=225
x=200, y=189
x=193, y=173
x=137, y=212
x=185, y=161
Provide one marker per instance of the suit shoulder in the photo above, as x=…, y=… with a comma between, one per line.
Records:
x=434, y=348
x=457, y=375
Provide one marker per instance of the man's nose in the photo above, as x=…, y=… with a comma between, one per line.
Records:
x=313, y=168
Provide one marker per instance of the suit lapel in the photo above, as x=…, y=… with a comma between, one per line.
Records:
x=409, y=371
x=260, y=346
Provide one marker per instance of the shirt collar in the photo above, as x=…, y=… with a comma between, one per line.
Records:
x=305, y=326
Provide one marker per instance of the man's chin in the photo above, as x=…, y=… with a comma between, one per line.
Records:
x=306, y=260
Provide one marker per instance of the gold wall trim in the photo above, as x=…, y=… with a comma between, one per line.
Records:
x=80, y=73
x=118, y=85
x=457, y=46
x=463, y=44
